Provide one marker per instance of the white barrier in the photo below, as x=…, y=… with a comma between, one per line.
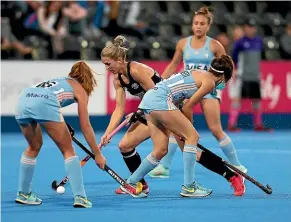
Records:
x=17, y=75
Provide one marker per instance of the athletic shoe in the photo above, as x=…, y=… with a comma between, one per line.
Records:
x=81, y=202
x=145, y=189
x=136, y=192
x=160, y=172
x=195, y=190
x=238, y=185
x=243, y=169
x=24, y=198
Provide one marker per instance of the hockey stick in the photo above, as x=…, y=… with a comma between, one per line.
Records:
x=55, y=183
x=267, y=189
x=130, y=189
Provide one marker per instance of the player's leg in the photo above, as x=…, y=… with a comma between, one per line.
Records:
x=233, y=115
x=255, y=95
x=160, y=137
x=136, y=134
x=235, y=95
x=213, y=163
x=211, y=109
x=177, y=123
x=163, y=169
x=32, y=133
x=59, y=133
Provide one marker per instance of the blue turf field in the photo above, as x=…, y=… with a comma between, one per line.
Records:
x=267, y=156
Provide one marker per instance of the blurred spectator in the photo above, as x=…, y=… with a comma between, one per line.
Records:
x=76, y=15
x=247, y=58
x=10, y=42
x=237, y=32
x=113, y=28
x=97, y=18
x=285, y=42
x=53, y=27
x=128, y=17
x=47, y=21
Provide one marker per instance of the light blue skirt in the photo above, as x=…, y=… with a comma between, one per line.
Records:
x=157, y=98
x=38, y=105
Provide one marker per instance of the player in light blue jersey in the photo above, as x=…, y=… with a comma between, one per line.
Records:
x=40, y=105
x=163, y=117
x=197, y=51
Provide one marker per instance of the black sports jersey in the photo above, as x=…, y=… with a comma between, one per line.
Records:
x=134, y=87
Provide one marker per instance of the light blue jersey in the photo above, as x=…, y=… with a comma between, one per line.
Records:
x=43, y=101
x=169, y=92
x=199, y=59
x=182, y=86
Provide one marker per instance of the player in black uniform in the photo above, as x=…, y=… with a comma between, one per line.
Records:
x=137, y=78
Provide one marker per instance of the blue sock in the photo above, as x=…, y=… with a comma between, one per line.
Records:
x=229, y=150
x=27, y=166
x=146, y=166
x=166, y=161
x=189, y=158
x=74, y=173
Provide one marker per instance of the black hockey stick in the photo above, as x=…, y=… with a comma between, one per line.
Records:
x=130, y=189
x=267, y=189
x=55, y=183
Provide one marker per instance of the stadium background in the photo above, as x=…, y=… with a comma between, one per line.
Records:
x=30, y=54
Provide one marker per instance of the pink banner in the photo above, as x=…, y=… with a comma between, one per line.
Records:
x=276, y=89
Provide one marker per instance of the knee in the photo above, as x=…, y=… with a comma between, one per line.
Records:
x=124, y=146
x=216, y=131
x=192, y=138
x=164, y=152
x=160, y=152
x=34, y=149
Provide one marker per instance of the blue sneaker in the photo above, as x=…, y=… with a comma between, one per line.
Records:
x=27, y=198
x=199, y=186
x=81, y=202
x=159, y=172
x=195, y=190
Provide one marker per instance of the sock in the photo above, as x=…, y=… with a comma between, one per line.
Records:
x=132, y=160
x=229, y=150
x=233, y=115
x=189, y=158
x=74, y=173
x=213, y=163
x=257, y=113
x=146, y=166
x=27, y=166
x=166, y=161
